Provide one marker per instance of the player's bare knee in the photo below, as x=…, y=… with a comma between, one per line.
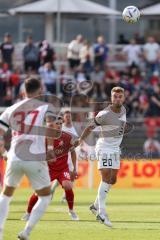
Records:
x=113, y=180
x=107, y=178
x=67, y=185
x=8, y=191
x=44, y=192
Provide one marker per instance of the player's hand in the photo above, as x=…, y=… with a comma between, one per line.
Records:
x=3, y=153
x=77, y=142
x=73, y=175
x=51, y=157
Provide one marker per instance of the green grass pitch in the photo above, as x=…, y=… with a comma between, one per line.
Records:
x=135, y=215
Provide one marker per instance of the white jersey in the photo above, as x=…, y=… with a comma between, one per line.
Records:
x=71, y=130
x=111, y=129
x=27, y=112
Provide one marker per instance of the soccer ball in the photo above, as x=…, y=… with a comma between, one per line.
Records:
x=131, y=14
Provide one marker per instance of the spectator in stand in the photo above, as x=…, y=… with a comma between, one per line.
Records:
x=143, y=103
x=100, y=53
x=80, y=75
x=155, y=78
x=122, y=39
x=47, y=53
x=31, y=55
x=86, y=57
x=135, y=76
x=139, y=39
x=126, y=82
x=65, y=78
x=7, y=50
x=73, y=52
x=15, y=81
x=152, y=147
x=5, y=74
x=49, y=77
x=111, y=80
x=132, y=53
x=97, y=77
x=154, y=102
x=151, y=56
x=8, y=98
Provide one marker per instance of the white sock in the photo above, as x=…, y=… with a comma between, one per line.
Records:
x=4, y=208
x=102, y=193
x=54, y=186
x=96, y=203
x=37, y=212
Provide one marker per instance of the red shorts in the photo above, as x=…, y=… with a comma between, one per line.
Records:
x=60, y=175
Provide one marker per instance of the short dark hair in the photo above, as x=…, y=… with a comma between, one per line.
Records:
x=32, y=85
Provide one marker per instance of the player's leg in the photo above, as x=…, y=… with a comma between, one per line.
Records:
x=108, y=164
x=54, y=186
x=67, y=185
x=70, y=167
x=64, y=199
x=34, y=198
x=65, y=181
x=103, y=189
x=31, y=202
x=38, y=175
x=5, y=199
x=12, y=178
x=108, y=178
x=95, y=206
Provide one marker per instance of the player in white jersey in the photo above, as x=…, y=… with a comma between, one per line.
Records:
x=112, y=122
x=31, y=161
x=69, y=128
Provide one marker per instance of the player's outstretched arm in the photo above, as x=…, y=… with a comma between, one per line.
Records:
x=87, y=131
x=74, y=160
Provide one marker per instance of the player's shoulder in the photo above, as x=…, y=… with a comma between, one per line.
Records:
x=13, y=107
x=123, y=109
x=102, y=112
x=70, y=130
x=66, y=135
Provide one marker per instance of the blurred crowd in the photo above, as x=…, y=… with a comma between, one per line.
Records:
x=87, y=71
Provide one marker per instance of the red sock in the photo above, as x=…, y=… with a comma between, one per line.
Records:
x=32, y=201
x=70, y=198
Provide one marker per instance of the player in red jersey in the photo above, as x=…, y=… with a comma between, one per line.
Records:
x=58, y=167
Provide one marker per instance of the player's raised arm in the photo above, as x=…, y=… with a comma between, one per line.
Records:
x=73, y=173
x=93, y=123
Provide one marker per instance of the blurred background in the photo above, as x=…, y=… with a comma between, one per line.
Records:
x=79, y=46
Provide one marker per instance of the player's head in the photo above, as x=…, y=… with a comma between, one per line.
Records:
x=67, y=118
x=52, y=121
x=32, y=87
x=117, y=96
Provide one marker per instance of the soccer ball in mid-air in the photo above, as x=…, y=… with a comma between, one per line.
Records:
x=131, y=14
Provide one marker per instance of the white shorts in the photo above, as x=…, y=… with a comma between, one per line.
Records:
x=37, y=173
x=70, y=164
x=108, y=159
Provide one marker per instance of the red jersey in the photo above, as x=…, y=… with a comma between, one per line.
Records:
x=61, y=146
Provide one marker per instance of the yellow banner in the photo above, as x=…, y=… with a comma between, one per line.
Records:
x=133, y=174
x=139, y=174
